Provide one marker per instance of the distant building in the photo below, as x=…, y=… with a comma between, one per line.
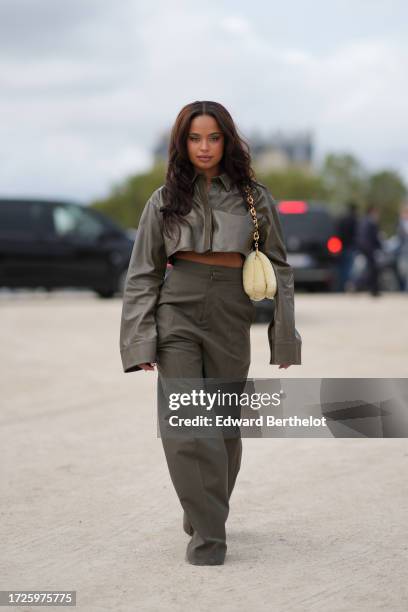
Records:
x=278, y=151
x=281, y=151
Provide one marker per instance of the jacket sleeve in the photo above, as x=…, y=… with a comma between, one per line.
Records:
x=285, y=342
x=145, y=275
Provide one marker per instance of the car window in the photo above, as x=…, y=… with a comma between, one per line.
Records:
x=19, y=218
x=75, y=222
x=310, y=225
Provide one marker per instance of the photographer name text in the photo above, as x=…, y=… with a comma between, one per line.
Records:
x=260, y=421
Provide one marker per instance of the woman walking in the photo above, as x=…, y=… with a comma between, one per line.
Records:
x=194, y=322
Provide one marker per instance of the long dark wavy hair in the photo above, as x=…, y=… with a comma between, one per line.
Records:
x=178, y=188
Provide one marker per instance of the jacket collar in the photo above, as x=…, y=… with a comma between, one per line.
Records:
x=223, y=177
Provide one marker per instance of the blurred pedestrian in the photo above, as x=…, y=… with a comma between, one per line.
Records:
x=347, y=231
x=369, y=244
x=402, y=252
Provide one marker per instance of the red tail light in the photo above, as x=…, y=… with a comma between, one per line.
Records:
x=334, y=244
x=290, y=207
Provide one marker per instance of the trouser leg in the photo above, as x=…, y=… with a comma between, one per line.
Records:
x=198, y=466
x=227, y=354
x=373, y=276
x=233, y=447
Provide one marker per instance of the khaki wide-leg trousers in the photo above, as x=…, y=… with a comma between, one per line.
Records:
x=203, y=323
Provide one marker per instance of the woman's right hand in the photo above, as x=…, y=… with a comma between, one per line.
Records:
x=147, y=366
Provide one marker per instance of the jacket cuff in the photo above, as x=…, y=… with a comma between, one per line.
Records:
x=288, y=352
x=140, y=352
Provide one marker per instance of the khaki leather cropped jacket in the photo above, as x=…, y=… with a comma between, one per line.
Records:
x=218, y=221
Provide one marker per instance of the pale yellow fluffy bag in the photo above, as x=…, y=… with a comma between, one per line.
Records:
x=258, y=277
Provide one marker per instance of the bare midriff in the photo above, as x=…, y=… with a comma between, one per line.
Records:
x=232, y=260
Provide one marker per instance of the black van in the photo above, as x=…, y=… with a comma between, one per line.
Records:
x=53, y=244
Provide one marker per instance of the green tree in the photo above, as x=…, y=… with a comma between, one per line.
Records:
x=127, y=199
x=344, y=178
x=293, y=184
x=386, y=190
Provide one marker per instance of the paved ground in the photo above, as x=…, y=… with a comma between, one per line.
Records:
x=315, y=525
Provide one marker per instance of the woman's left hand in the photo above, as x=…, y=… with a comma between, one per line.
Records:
x=284, y=365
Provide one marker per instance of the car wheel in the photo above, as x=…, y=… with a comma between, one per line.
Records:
x=105, y=293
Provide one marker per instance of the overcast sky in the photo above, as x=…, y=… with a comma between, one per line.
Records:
x=87, y=86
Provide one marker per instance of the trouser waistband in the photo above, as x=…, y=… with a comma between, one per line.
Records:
x=205, y=270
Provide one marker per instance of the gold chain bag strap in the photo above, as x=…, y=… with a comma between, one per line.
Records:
x=258, y=275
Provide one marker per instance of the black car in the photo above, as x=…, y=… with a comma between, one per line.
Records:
x=54, y=244
x=312, y=248
x=311, y=241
